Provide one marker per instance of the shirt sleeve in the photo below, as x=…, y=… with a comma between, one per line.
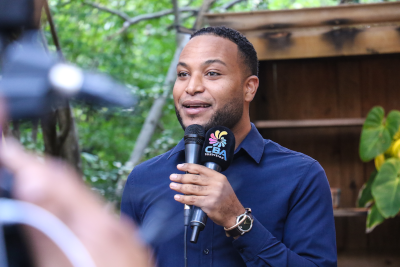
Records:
x=127, y=203
x=309, y=237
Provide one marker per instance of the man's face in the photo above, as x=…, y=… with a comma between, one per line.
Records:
x=209, y=88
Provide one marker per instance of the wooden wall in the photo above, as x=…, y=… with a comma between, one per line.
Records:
x=337, y=87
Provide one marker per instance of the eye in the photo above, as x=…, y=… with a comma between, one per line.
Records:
x=213, y=73
x=183, y=74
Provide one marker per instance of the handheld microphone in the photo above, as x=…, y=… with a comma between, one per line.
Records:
x=217, y=154
x=194, y=139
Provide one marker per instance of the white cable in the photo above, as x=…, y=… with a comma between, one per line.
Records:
x=15, y=211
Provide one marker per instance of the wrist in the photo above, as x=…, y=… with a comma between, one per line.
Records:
x=231, y=221
x=244, y=223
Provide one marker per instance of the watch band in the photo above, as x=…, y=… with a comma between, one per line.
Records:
x=238, y=228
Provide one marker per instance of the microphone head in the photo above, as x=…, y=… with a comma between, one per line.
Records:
x=194, y=134
x=219, y=147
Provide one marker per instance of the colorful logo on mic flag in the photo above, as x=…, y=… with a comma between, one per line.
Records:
x=217, y=139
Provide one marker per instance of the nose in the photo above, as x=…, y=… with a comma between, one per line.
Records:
x=195, y=85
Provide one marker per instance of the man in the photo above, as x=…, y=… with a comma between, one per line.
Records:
x=287, y=192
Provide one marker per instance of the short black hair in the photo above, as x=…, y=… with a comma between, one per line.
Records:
x=245, y=48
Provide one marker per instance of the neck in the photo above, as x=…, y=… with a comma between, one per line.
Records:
x=241, y=130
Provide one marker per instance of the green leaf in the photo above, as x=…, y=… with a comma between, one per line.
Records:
x=377, y=134
x=365, y=197
x=374, y=219
x=393, y=122
x=386, y=188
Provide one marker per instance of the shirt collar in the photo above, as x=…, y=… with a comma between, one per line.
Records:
x=179, y=147
x=253, y=144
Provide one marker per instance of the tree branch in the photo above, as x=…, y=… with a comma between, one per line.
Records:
x=206, y=6
x=53, y=30
x=120, y=14
x=155, y=15
x=177, y=20
x=228, y=5
x=129, y=21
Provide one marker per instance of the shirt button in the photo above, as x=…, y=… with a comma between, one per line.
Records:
x=206, y=251
x=241, y=250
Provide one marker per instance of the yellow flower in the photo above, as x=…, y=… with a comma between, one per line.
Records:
x=379, y=160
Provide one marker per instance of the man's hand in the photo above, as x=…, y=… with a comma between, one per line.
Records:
x=208, y=190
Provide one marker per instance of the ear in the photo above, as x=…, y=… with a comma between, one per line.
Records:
x=250, y=88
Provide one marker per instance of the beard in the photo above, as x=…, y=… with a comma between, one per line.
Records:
x=228, y=116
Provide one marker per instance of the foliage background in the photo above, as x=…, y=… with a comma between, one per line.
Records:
x=139, y=58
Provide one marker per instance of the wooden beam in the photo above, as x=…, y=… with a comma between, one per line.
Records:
x=308, y=17
x=344, y=30
x=326, y=41
x=350, y=212
x=309, y=123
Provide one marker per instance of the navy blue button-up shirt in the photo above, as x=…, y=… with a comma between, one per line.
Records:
x=287, y=192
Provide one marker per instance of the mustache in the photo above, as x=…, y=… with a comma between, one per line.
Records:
x=228, y=115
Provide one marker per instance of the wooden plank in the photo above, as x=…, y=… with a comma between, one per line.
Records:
x=296, y=90
x=309, y=123
x=385, y=236
x=368, y=258
x=380, y=82
x=350, y=212
x=308, y=17
x=352, y=175
x=326, y=42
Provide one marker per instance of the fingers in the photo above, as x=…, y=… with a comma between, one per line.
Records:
x=190, y=200
x=195, y=169
x=38, y=182
x=13, y=157
x=190, y=189
x=189, y=179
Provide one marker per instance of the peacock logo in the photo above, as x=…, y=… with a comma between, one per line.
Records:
x=217, y=139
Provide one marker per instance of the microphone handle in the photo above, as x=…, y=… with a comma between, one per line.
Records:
x=192, y=155
x=199, y=217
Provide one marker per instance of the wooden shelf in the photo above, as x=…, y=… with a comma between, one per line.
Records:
x=271, y=124
x=350, y=212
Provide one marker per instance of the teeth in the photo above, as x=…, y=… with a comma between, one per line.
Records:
x=197, y=106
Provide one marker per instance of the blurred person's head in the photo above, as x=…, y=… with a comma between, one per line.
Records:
x=217, y=79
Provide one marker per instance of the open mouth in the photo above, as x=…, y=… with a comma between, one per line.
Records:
x=194, y=108
x=197, y=106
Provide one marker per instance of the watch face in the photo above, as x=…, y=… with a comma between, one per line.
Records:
x=246, y=225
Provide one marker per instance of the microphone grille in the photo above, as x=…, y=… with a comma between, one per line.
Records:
x=219, y=147
x=194, y=133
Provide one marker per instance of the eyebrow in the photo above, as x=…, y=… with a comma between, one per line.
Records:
x=208, y=62
x=211, y=61
x=183, y=64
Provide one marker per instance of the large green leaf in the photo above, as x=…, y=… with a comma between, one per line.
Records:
x=386, y=188
x=374, y=219
x=365, y=197
x=377, y=134
x=393, y=122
